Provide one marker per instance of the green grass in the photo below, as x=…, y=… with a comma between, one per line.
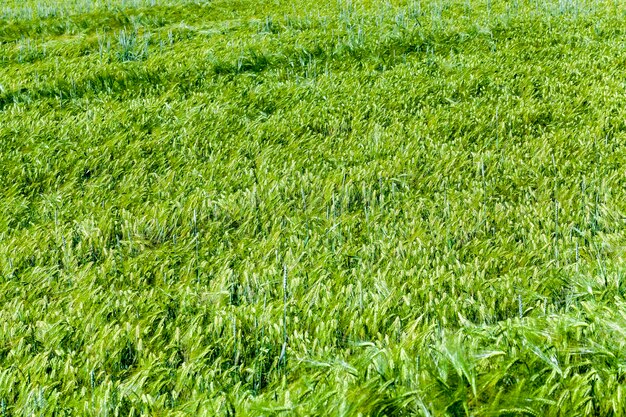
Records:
x=235, y=207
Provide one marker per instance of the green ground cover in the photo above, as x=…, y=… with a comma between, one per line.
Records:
x=334, y=208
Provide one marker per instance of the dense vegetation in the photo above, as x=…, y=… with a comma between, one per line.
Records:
x=241, y=207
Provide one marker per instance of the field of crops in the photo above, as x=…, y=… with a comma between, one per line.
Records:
x=301, y=208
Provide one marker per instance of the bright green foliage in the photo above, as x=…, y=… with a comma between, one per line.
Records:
x=241, y=207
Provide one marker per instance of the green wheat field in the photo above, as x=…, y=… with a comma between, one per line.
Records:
x=312, y=208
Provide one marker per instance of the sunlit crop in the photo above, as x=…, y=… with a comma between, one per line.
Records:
x=300, y=208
